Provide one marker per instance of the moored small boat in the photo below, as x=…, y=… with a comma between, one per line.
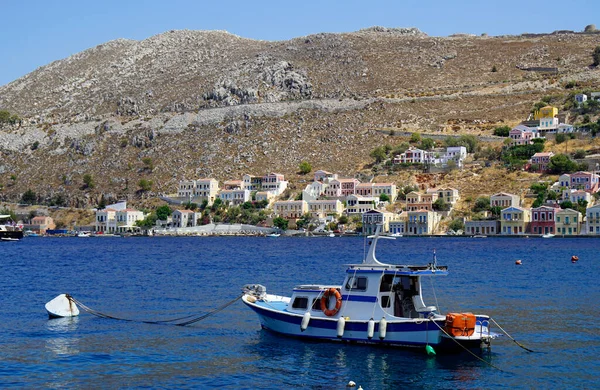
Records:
x=9, y=231
x=377, y=304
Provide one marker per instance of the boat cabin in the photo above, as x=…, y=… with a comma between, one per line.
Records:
x=369, y=291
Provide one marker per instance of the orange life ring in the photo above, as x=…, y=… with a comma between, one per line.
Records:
x=325, y=302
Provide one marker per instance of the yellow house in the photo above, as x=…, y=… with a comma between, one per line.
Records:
x=546, y=112
x=515, y=220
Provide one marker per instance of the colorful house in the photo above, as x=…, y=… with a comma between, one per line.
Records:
x=485, y=227
x=372, y=218
x=503, y=199
x=290, y=209
x=422, y=222
x=356, y=204
x=568, y=222
x=584, y=181
x=523, y=135
x=592, y=220
x=542, y=220
x=323, y=208
x=541, y=160
x=185, y=218
x=515, y=220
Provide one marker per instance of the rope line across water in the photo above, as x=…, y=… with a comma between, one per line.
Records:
x=181, y=321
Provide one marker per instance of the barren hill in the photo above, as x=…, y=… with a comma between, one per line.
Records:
x=209, y=103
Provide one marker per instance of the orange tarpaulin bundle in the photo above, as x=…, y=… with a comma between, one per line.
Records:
x=460, y=324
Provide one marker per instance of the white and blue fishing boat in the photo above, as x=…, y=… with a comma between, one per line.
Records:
x=377, y=304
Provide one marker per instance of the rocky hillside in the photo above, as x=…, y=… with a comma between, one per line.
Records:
x=187, y=104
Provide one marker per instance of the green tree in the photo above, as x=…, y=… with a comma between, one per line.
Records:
x=567, y=204
x=148, y=222
x=596, y=56
x=441, y=205
x=343, y=220
x=384, y=198
x=145, y=185
x=481, y=204
x=305, y=167
x=415, y=138
x=456, y=225
x=560, y=138
x=163, y=212
x=88, y=181
x=502, y=131
x=378, y=154
x=280, y=223
x=102, y=203
x=560, y=164
x=29, y=197
x=427, y=144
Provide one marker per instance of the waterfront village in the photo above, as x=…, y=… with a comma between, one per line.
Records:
x=331, y=204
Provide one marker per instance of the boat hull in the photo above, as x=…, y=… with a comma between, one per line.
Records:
x=401, y=333
x=11, y=235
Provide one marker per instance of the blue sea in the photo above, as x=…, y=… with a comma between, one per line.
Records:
x=548, y=304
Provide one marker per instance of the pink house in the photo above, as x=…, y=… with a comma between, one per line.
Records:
x=522, y=135
x=541, y=160
x=584, y=181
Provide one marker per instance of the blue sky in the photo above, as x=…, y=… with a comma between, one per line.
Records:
x=36, y=32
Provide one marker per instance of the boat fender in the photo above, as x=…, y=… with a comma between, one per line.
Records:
x=370, y=329
x=429, y=349
x=250, y=298
x=341, y=324
x=62, y=306
x=305, y=320
x=382, y=328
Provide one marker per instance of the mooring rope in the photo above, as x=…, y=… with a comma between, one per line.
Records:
x=510, y=337
x=465, y=348
x=193, y=318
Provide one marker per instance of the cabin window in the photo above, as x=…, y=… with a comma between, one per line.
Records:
x=300, y=303
x=316, y=304
x=385, y=301
x=357, y=283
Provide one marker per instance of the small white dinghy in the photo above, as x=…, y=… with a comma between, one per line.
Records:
x=62, y=306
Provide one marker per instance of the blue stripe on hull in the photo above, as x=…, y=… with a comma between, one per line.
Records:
x=393, y=329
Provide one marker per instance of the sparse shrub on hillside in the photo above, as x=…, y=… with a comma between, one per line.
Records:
x=596, y=56
x=88, y=181
x=145, y=185
x=149, y=165
x=494, y=69
x=570, y=84
x=305, y=167
x=29, y=197
x=579, y=154
x=560, y=138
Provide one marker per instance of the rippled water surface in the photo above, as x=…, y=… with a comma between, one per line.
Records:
x=548, y=304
